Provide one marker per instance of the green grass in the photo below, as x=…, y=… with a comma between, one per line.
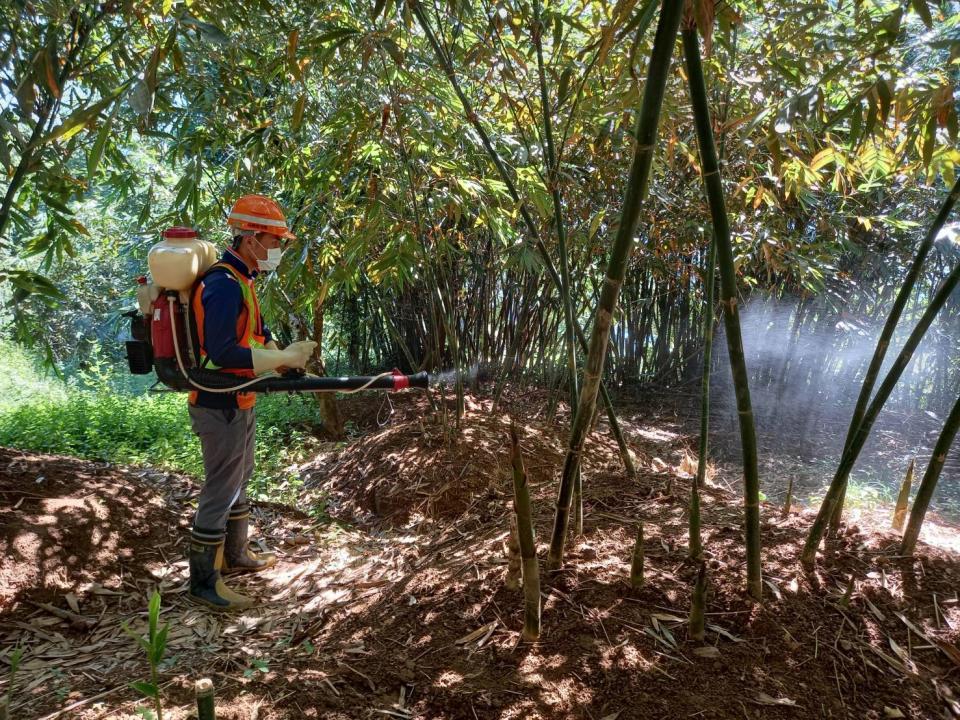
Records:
x=105, y=414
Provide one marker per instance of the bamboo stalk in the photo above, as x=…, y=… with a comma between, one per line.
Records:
x=929, y=483
x=471, y=115
x=883, y=342
x=785, y=513
x=525, y=536
x=696, y=542
x=203, y=689
x=512, y=581
x=903, y=499
x=849, y=457
x=646, y=136
x=636, y=560
x=553, y=181
x=698, y=605
x=713, y=188
x=848, y=593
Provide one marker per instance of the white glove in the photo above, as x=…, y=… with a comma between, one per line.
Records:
x=295, y=355
x=299, y=353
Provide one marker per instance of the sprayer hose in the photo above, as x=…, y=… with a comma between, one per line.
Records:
x=248, y=383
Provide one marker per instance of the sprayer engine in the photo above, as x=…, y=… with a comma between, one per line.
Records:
x=164, y=334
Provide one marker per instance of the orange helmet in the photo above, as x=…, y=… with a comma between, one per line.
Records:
x=260, y=213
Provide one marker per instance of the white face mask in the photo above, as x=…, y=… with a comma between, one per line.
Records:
x=272, y=261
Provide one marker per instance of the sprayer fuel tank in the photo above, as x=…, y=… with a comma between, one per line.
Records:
x=180, y=258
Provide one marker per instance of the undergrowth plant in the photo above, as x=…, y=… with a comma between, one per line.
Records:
x=154, y=644
x=15, y=657
x=96, y=414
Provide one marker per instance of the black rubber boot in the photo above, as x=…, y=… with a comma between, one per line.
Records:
x=237, y=555
x=206, y=585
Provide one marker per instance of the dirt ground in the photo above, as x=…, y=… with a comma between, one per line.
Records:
x=389, y=598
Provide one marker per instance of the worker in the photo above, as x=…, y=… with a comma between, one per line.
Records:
x=232, y=338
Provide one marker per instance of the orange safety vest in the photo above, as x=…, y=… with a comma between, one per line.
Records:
x=249, y=330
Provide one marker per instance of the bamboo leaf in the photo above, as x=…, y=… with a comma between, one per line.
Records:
x=298, y=110
x=394, y=50
x=96, y=152
x=822, y=159
x=929, y=140
x=337, y=34
x=293, y=40
x=564, y=86
x=923, y=11
x=153, y=614
x=209, y=32
x=48, y=65
x=75, y=123
x=26, y=95
x=703, y=11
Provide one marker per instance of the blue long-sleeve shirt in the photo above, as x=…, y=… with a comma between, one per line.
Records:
x=222, y=300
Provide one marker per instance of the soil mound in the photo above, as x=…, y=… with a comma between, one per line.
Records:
x=69, y=526
x=420, y=467
x=406, y=613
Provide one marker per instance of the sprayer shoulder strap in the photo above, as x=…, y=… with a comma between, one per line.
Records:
x=201, y=358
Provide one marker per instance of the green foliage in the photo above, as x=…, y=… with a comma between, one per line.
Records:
x=837, y=118
x=14, y=659
x=98, y=414
x=154, y=645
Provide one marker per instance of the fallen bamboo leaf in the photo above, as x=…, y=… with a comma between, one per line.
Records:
x=98, y=589
x=476, y=634
x=890, y=712
x=612, y=716
x=950, y=651
x=899, y=667
x=903, y=655
x=707, y=652
x=72, y=602
x=765, y=699
x=916, y=631
x=667, y=617
x=725, y=633
x=874, y=609
x=773, y=587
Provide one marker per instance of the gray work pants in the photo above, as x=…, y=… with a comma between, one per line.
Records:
x=227, y=438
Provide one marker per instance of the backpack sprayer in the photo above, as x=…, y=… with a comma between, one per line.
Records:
x=165, y=336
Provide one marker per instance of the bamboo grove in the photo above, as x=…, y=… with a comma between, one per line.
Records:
x=525, y=188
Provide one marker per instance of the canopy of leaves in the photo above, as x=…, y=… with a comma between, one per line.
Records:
x=837, y=120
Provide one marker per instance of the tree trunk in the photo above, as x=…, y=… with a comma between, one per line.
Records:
x=857, y=442
x=728, y=299
x=329, y=410
x=646, y=136
x=494, y=156
x=883, y=342
x=527, y=540
x=930, y=478
x=695, y=542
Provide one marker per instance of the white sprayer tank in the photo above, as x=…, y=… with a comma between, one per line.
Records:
x=179, y=259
